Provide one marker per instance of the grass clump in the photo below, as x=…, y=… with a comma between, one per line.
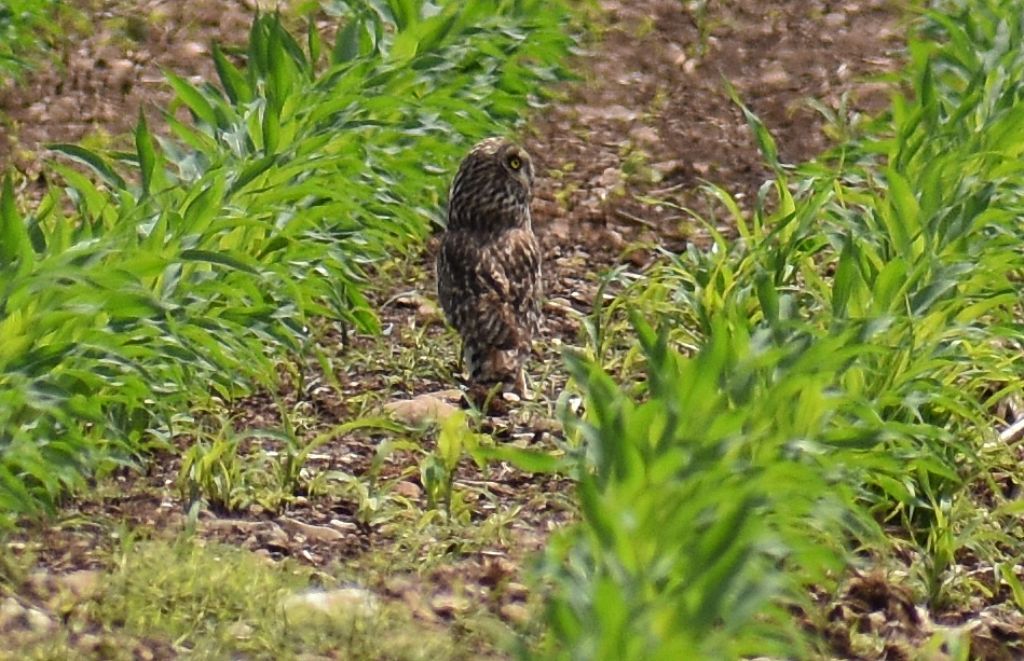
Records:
x=841, y=369
x=199, y=593
x=216, y=601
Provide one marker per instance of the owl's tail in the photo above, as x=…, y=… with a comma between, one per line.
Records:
x=488, y=366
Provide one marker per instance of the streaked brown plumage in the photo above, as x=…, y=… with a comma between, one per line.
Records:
x=489, y=265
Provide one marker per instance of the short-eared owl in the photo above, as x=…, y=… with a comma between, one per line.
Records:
x=489, y=265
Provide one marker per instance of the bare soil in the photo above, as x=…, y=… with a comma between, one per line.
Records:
x=651, y=117
x=110, y=68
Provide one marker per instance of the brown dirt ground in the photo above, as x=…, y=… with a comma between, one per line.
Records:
x=650, y=117
x=109, y=69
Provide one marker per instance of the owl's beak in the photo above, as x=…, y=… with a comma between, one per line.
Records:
x=525, y=175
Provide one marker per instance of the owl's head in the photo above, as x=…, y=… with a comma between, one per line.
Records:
x=493, y=187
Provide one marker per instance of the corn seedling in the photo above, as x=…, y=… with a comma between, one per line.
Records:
x=833, y=370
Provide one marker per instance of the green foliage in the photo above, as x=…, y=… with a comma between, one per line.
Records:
x=216, y=601
x=25, y=25
x=219, y=472
x=203, y=590
x=694, y=498
x=835, y=367
x=188, y=267
x=213, y=473
x=437, y=470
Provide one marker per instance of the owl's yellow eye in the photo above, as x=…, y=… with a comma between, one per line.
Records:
x=515, y=163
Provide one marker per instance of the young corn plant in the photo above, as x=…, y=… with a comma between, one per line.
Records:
x=286, y=470
x=437, y=469
x=708, y=505
x=837, y=369
x=214, y=474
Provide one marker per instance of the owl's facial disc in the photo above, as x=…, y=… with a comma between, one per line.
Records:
x=517, y=163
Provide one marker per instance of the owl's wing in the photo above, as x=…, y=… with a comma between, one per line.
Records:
x=494, y=287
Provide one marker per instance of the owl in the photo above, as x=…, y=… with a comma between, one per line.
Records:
x=489, y=264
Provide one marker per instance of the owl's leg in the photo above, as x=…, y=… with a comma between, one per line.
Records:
x=492, y=372
x=493, y=366
x=521, y=382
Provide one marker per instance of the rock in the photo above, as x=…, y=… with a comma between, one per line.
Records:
x=239, y=525
x=89, y=642
x=311, y=532
x=38, y=621
x=612, y=238
x=674, y=53
x=191, y=50
x=611, y=178
x=350, y=602
x=344, y=526
x=449, y=605
x=420, y=410
x=409, y=300
x=84, y=585
x=38, y=111
x=515, y=613
x=775, y=76
x=645, y=135
x=516, y=590
x=122, y=74
x=453, y=395
x=10, y=612
x=666, y=168
x=546, y=425
x=834, y=20
x=273, y=534
x=558, y=228
x=429, y=313
x=613, y=112
x=408, y=489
